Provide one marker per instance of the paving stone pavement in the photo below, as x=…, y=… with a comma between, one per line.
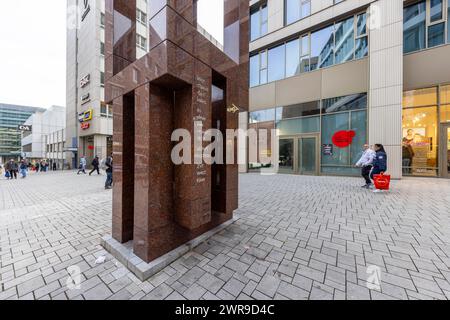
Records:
x=297, y=238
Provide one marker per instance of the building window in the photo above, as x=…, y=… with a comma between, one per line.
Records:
x=420, y=132
x=296, y=10
x=105, y=110
x=322, y=48
x=102, y=48
x=141, y=17
x=362, y=41
x=292, y=58
x=424, y=25
x=344, y=41
x=102, y=79
x=102, y=20
x=276, y=63
x=326, y=117
x=337, y=43
x=258, y=22
x=141, y=42
x=448, y=19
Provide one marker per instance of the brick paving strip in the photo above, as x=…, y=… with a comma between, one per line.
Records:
x=297, y=238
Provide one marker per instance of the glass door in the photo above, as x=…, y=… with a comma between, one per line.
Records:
x=308, y=158
x=286, y=156
x=299, y=155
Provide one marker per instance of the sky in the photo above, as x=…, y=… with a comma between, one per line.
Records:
x=33, y=49
x=33, y=52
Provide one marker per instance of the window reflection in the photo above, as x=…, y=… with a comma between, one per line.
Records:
x=276, y=63
x=414, y=27
x=436, y=10
x=346, y=103
x=344, y=41
x=322, y=45
x=436, y=35
x=337, y=43
x=296, y=10
x=292, y=58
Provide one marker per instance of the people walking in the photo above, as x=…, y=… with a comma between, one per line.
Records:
x=82, y=165
x=96, y=165
x=109, y=172
x=23, y=169
x=366, y=163
x=12, y=168
x=380, y=162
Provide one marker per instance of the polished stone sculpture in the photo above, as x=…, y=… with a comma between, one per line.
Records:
x=182, y=78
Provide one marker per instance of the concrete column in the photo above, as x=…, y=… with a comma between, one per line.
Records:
x=386, y=80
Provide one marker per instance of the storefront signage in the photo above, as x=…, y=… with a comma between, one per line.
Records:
x=85, y=125
x=343, y=139
x=85, y=81
x=327, y=149
x=25, y=128
x=87, y=8
x=86, y=116
x=85, y=98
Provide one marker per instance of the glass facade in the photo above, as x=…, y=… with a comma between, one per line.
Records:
x=425, y=24
x=10, y=138
x=414, y=27
x=424, y=112
x=258, y=22
x=340, y=42
x=326, y=118
x=296, y=10
x=276, y=63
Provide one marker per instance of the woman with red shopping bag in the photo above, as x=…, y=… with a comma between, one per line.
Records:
x=379, y=168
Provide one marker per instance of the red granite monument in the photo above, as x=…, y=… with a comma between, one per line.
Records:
x=182, y=79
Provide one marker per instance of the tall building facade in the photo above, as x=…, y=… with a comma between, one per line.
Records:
x=11, y=117
x=89, y=119
x=330, y=76
x=45, y=125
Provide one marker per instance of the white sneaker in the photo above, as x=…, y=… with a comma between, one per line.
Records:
x=377, y=191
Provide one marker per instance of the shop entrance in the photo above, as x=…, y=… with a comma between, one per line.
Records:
x=445, y=150
x=299, y=155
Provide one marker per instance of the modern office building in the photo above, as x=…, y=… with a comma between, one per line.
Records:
x=89, y=120
x=54, y=149
x=44, y=125
x=329, y=76
x=11, y=117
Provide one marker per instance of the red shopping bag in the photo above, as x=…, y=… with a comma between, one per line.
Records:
x=382, y=181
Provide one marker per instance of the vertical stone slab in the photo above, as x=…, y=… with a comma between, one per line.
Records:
x=153, y=229
x=193, y=182
x=142, y=155
x=386, y=80
x=123, y=150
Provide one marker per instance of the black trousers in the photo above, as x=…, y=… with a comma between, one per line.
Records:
x=95, y=169
x=13, y=174
x=366, y=174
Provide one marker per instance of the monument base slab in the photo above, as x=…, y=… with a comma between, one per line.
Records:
x=123, y=252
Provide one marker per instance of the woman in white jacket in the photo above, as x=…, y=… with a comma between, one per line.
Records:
x=366, y=163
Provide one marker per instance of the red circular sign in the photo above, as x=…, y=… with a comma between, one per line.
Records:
x=342, y=139
x=91, y=147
